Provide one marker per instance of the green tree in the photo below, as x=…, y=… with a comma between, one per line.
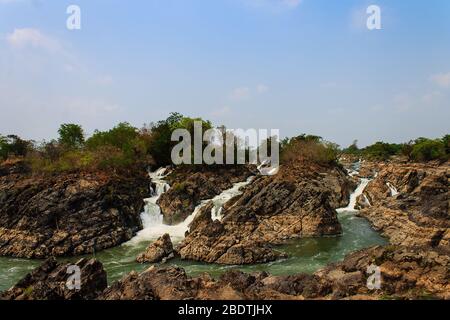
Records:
x=71, y=135
x=446, y=141
x=353, y=148
x=3, y=147
x=427, y=150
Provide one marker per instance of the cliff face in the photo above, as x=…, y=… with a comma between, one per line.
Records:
x=297, y=202
x=68, y=214
x=409, y=203
x=192, y=184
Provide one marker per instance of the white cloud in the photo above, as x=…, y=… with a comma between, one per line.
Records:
x=241, y=93
x=221, y=112
x=432, y=97
x=442, y=80
x=291, y=3
x=261, y=88
x=245, y=93
x=29, y=37
x=105, y=80
x=275, y=5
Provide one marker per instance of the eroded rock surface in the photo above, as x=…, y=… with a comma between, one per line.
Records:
x=405, y=274
x=68, y=214
x=157, y=251
x=52, y=281
x=192, y=184
x=409, y=203
x=297, y=202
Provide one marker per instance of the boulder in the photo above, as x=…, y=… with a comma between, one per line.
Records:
x=52, y=281
x=157, y=251
x=70, y=213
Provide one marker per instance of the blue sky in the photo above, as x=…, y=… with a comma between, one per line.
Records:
x=300, y=66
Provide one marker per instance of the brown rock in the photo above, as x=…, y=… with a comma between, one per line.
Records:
x=297, y=202
x=50, y=282
x=157, y=251
x=68, y=214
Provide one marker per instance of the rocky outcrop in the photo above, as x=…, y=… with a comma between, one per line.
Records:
x=56, y=281
x=192, y=184
x=297, y=202
x=68, y=214
x=405, y=274
x=409, y=203
x=157, y=251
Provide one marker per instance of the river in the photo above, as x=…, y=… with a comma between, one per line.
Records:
x=305, y=255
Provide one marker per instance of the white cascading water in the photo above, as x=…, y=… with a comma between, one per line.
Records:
x=152, y=219
x=354, y=196
x=393, y=189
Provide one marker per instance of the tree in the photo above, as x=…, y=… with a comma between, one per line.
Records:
x=353, y=148
x=71, y=135
x=446, y=141
x=426, y=150
x=3, y=147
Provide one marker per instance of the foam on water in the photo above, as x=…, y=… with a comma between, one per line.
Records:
x=393, y=189
x=354, y=196
x=152, y=219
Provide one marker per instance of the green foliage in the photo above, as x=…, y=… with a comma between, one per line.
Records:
x=161, y=144
x=71, y=135
x=13, y=145
x=421, y=149
x=427, y=150
x=353, y=148
x=446, y=142
x=381, y=151
x=3, y=147
x=123, y=136
x=309, y=148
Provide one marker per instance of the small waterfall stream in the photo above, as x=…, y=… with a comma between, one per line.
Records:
x=354, y=197
x=393, y=189
x=152, y=219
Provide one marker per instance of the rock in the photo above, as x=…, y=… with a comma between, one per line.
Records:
x=192, y=184
x=69, y=214
x=157, y=251
x=297, y=202
x=406, y=273
x=419, y=214
x=50, y=282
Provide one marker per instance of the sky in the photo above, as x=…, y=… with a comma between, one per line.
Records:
x=301, y=66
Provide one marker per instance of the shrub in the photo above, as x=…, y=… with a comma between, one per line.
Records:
x=13, y=145
x=71, y=135
x=309, y=148
x=427, y=150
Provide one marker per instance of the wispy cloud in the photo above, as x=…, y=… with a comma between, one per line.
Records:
x=241, y=93
x=29, y=37
x=245, y=93
x=442, y=79
x=273, y=4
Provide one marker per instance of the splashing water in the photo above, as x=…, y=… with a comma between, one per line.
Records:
x=393, y=189
x=152, y=218
x=354, y=196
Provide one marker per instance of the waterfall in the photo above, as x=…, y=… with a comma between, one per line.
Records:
x=152, y=219
x=393, y=189
x=354, y=196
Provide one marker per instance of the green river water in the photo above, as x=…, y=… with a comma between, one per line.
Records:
x=305, y=255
